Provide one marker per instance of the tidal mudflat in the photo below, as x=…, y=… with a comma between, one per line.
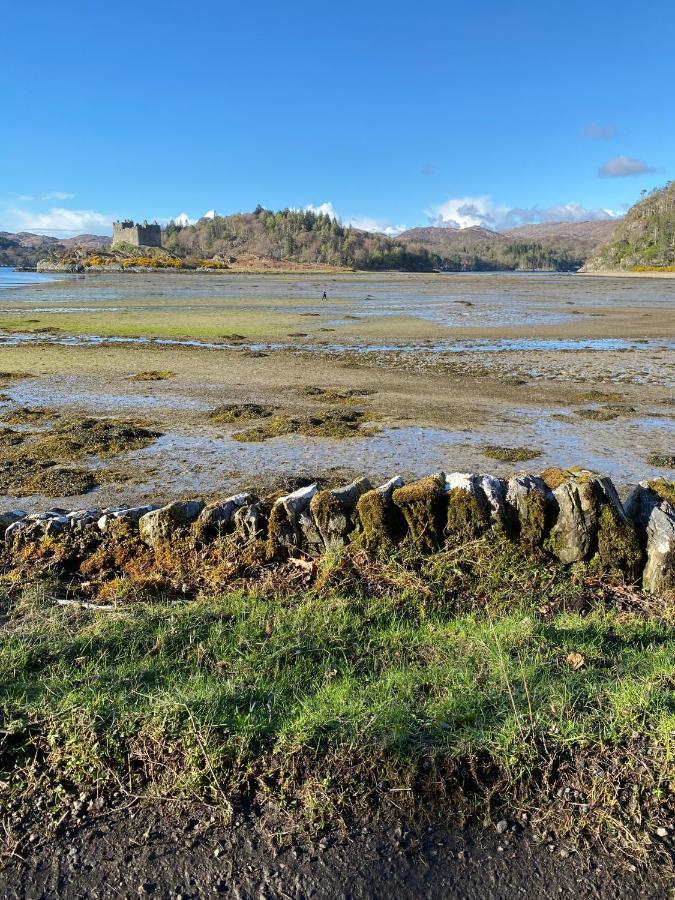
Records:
x=430, y=372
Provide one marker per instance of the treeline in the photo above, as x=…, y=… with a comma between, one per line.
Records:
x=298, y=235
x=508, y=257
x=645, y=238
x=308, y=237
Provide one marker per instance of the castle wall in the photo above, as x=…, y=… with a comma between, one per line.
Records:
x=137, y=235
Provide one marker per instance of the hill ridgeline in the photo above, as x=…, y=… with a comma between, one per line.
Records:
x=302, y=238
x=644, y=239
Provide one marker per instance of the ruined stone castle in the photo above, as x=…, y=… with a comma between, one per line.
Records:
x=130, y=232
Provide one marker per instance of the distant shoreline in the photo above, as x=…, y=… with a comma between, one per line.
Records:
x=619, y=273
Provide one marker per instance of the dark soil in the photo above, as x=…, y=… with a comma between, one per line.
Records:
x=157, y=851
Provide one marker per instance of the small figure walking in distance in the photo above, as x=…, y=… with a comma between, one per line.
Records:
x=325, y=296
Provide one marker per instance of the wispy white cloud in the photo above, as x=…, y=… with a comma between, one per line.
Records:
x=623, y=166
x=467, y=212
x=595, y=132
x=57, y=195
x=381, y=226
x=182, y=219
x=326, y=209
x=363, y=223
x=56, y=220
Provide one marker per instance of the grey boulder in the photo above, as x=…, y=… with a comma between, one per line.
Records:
x=161, y=524
x=654, y=519
x=334, y=512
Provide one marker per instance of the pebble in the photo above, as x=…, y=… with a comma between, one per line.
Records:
x=662, y=832
x=502, y=826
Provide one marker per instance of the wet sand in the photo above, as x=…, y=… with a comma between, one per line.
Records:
x=513, y=369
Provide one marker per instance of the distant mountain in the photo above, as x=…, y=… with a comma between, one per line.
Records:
x=556, y=246
x=305, y=237
x=583, y=237
x=434, y=236
x=645, y=238
x=24, y=249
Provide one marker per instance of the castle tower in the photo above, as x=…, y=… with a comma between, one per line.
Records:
x=138, y=235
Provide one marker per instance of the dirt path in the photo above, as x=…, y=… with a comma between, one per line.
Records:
x=152, y=852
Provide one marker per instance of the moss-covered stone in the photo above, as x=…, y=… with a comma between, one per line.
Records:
x=466, y=517
x=664, y=490
x=554, y=476
x=527, y=506
x=324, y=505
x=618, y=545
x=423, y=505
x=382, y=523
x=279, y=532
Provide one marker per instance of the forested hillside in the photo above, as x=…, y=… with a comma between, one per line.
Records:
x=644, y=239
x=24, y=249
x=298, y=235
x=306, y=237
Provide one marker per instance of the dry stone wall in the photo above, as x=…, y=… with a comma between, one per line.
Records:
x=574, y=516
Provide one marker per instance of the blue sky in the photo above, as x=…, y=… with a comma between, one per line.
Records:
x=389, y=114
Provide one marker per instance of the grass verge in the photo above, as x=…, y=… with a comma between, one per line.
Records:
x=462, y=684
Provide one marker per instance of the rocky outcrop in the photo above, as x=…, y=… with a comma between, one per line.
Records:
x=654, y=517
x=131, y=514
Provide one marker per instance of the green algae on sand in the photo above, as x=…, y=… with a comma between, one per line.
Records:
x=510, y=454
x=240, y=412
x=325, y=425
